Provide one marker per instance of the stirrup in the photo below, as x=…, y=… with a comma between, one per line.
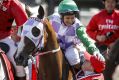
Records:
x=79, y=74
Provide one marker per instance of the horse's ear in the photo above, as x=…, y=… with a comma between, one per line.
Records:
x=27, y=9
x=41, y=12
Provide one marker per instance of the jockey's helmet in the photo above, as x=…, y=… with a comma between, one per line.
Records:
x=67, y=6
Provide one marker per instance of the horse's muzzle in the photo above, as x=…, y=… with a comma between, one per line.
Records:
x=22, y=60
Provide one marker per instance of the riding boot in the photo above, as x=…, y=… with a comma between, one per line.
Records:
x=20, y=78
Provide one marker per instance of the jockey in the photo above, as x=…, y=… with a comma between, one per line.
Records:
x=10, y=10
x=71, y=33
x=104, y=26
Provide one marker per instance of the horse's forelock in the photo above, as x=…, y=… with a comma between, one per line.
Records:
x=51, y=36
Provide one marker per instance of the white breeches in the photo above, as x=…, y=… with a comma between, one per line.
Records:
x=72, y=54
x=19, y=69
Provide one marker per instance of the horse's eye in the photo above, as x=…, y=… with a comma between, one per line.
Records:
x=35, y=31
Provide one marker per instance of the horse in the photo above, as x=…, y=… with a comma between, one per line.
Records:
x=6, y=69
x=52, y=64
x=112, y=61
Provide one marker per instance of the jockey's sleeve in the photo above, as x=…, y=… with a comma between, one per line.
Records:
x=18, y=12
x=88, y=42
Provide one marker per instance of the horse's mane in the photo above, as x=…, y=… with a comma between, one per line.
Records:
x=51, y=39
x=50, y=63
x=112, y=61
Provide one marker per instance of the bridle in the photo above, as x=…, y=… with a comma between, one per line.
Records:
x=37, y=51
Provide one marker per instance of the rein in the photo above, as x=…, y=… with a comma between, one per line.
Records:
x=42, y=53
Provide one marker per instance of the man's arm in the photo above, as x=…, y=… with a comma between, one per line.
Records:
x=92, y=28
x=88, y=43
x=18, y=12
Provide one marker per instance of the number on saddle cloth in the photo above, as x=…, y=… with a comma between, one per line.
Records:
x=5, y=47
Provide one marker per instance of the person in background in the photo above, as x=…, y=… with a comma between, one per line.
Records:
x=71, y=34
x=11, y=10
x=104, y=26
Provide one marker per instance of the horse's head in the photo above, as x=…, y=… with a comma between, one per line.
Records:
x=112, y=61
x=31, y=40
x=34, y=38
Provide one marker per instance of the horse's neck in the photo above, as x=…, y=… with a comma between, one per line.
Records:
x=51, y=39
